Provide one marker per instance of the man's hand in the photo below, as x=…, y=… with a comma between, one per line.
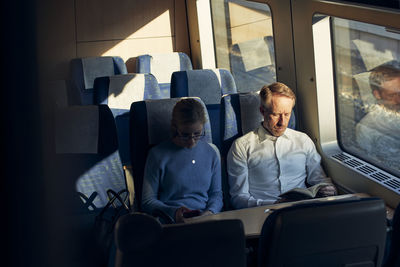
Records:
x=282, y=200
x=327, y=191
x=179, y=214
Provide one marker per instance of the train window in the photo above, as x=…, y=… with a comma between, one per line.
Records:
x=367, y=82
x=244, y=42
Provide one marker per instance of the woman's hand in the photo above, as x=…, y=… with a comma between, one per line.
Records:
x=179, y=214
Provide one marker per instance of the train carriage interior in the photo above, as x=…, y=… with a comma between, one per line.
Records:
x=89, y=87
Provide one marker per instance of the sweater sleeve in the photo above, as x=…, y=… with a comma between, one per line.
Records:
x=214, y=203
x=151, y=186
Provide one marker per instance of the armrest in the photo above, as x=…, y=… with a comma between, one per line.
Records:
x=164, y=217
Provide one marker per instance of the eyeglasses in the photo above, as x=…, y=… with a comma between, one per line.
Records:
x=187, y=137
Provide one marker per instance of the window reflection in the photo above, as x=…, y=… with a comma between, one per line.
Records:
x=367, y=77
x=244, y=42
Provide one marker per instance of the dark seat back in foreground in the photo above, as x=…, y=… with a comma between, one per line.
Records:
x=346, y=233
x=393, y=258
x=142, y=241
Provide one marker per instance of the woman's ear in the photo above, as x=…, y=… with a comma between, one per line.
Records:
x=174, y=131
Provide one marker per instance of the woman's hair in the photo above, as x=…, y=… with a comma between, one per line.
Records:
x=383, y=73
x=188, y=111
x=267, y=91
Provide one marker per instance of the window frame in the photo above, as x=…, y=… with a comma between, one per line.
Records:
x=315, y=85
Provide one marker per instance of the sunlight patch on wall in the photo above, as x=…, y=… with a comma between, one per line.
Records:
x=154, y=37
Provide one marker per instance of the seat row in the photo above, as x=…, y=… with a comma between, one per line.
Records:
x=96, y=83
x=90, y=135
x=139, y=236
x=92, y=131
x=104, y=80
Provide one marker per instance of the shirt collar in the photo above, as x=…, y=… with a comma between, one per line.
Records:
x=264, y=134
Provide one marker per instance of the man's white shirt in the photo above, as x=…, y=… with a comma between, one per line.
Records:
x=262, y=166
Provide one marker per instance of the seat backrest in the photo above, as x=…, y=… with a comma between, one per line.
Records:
x=118, y=92
x=85, y=70
x=162, y=66
x=253, y=64
x=208, y=84
x=150, y=124
x=240, y=114
x=393, y=257
x=86, y=141
x=344, y=233
x=142, y=241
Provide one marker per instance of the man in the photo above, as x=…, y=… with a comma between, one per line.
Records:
x=273, y=159
x=378, y=132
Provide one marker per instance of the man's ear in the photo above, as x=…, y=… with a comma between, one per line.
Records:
x=262, y=110
x=376, y=94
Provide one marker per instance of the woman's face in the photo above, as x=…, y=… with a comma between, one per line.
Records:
x=187, y=134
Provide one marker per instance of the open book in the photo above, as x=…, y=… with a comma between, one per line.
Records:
x=303, y=193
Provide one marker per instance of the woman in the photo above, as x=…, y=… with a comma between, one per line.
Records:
x=183, y=175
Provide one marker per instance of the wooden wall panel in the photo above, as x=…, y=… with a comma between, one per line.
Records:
x=181, y=28
x=123, y=28
x=126, y=48
x=56, y=43
x=121, y=19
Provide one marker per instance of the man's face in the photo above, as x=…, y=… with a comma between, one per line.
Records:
x=389, y=94
x=277, y=118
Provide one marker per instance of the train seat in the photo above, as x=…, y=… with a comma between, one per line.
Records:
x=86, y=140
x=118, y=92
x=88, y=165
x=208, y=84
x=337, y=233
x=162, y=66
x=85, y=70
x=150, y=122
x=142, y=241
x=393, y=257
x=253, y=63
x=240, y=114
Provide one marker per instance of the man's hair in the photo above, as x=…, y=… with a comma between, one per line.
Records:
x=267, y=91
x=383, y=73
x=188, y=111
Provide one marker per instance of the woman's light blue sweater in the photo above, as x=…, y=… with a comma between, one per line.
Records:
x=175, y=176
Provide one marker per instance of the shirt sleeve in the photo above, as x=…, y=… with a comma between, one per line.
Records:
x=239, y=180
x=214, y=203
x=151, y=185
x=315, y=173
